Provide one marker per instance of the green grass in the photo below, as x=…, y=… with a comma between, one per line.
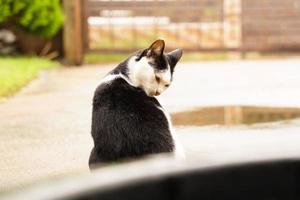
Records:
x=96, y=58
x=15, y=72
x=205, y=56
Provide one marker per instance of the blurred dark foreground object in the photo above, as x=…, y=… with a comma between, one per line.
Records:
x=265, y=181
x=268, y=180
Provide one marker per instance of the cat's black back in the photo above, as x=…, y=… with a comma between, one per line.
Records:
x=126, y=123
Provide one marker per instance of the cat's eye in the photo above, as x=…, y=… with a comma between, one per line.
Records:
x=157, y=78
x=167, y=85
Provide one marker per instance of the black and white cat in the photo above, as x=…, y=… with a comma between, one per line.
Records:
x=127, y=120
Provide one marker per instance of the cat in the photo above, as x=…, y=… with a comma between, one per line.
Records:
x=127, y=120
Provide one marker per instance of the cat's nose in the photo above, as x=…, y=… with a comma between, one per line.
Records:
x=157, y=93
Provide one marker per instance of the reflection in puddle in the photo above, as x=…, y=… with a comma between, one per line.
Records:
x=233, y=115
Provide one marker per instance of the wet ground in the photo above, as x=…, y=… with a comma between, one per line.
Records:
x=45, y=129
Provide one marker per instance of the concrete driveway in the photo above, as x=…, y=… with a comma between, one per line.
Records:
x=45, y=129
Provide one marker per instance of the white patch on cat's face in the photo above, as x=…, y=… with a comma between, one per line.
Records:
x=143, y=75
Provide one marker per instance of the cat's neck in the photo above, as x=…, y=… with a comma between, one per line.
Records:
x=126, y=70
x=140, y=72
x=121, y=71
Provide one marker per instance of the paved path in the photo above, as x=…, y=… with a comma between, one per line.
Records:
x=267, y=83
x=45, y=129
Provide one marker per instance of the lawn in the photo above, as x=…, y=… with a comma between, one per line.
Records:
x=95, y=58
x=15, y=72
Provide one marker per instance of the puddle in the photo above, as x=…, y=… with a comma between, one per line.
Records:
x=234, y=115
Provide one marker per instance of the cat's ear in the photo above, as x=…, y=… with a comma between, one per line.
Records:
x=141, y=54
x=174, y=57
x=156, y=48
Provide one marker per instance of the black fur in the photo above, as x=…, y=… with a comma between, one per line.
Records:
x=159, y=62
x=126, y=123
x=121, y=69
x=172, y=62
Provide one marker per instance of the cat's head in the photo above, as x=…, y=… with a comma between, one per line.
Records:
x=152, y=70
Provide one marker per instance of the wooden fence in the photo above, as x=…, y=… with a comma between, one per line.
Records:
x=271, y=25
x=127, y=25
x=194, y=25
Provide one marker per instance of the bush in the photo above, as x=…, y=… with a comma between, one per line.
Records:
x=42, y=17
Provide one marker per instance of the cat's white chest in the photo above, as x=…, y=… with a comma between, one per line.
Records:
x=179, y=150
